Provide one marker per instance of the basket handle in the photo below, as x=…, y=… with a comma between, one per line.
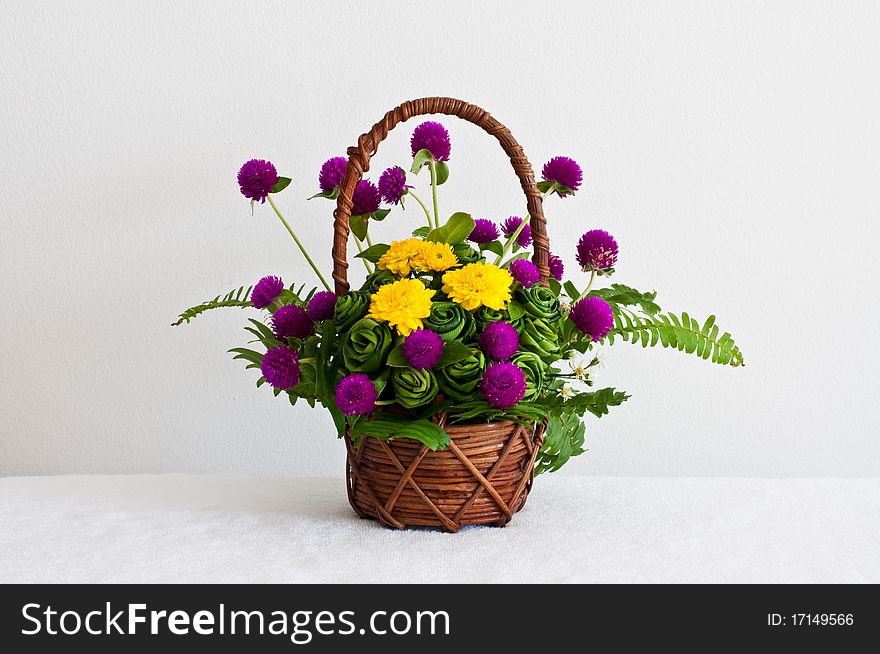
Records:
x=359, y=163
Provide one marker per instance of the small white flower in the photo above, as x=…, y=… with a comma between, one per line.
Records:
x=579, y=367
x=566, y=392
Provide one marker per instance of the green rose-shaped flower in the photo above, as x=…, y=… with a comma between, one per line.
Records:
x=367, y=346
x=413, y=387
x=534, y=370
x=539, y=302
x=350, y=308
x=485, y=315
x=539, y=337
x=378, y=278
x=466, y=254
x=459, y=380
x=451, y=321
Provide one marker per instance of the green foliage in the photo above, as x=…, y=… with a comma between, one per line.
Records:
x=389, y=426
x=622, y=295
x=235, y=298
x=682, y=333
x=454, y=231
x=280, y=185
x=563, y=439
x=421, y=159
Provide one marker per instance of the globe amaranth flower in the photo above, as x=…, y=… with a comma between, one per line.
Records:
x=499, y=340
x=525, y=272
x=477, y=285
x=401, y=256
x=510, y=225
x=266, y=291
x=292, y=321
x=433, y=137
x=392, y=185
x=423, y=348
x=593, y=316
x=597, y=250
x=356, y=394
x=557, y=267
x=280, y=367
x=435, y=257
x=322, y=305
x=256, y=179
x=565, y=172
x=503, y=385
x=403, y=305
x=484, y=231
x=365, y=198
x=331, y=174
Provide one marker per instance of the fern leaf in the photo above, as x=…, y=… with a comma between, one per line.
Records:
x=683, y=333
x=239, y=297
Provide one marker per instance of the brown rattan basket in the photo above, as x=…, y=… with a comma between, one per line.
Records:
x=484, y=476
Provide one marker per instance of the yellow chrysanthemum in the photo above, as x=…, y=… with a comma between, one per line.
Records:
x=401, y=256
x=436, y=257
x=403, y=305
x=477, y=285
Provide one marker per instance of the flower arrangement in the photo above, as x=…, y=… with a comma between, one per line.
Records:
x=454, y=319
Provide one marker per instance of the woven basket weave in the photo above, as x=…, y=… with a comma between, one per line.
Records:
x=484, y=476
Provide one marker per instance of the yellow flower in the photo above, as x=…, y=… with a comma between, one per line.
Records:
x=477, y=285
x=401, y=256
x=403, y=305
x=435, y=257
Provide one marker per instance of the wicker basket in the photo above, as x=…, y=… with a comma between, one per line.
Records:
x=485, y=474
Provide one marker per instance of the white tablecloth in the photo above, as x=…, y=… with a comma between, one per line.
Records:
x=225, y=528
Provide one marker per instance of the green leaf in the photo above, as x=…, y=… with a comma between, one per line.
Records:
x=235, y=298
x=380, y=214
x=280, y=185
x=571, y=291
x=494, y=247
x=396, y=358
x=421, y=232
x=555, y=286
x=515, y=310
x=455, y=230
x=329, y=195
x=563, y=439
x=453, y=351
x=442, y=172
x=421, y=158
x=621, y=294
x=358, y=225
x=544, y=186
x=390, y=427
x=373, y=253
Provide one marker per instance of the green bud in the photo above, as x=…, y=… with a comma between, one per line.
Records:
x=413, y=388
x=459, y=380
x=539, y=302
x=350, y=308
x=539, y=337
x=451, y=321
x=534, y=370
x=367, y=346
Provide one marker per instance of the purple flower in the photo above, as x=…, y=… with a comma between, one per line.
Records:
x=331, y=174
x=256, y=179
x=266, y=291
x=365, y=198
x=356, y=394
x=499, y=341
x=392, y=185
x=503, y=384
x=592, y=315
x=292, y=321
x=321, y=305
x=423, y=348
x=557, y=268
x=563, y=171
x=280, y=367
x=433, y=137
x=525, y=272
x=524, y=239
x=597, y=250
x=484, y=231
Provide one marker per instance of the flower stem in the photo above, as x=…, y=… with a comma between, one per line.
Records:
x=590, y=284
x=513, y=237
x=433, y=166
x=424, y=208
x=299, y=245
x=360, y=249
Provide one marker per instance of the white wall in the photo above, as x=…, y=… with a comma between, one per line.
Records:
x=732, y=148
